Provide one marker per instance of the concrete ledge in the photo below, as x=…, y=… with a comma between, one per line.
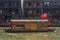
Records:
x=19, y=31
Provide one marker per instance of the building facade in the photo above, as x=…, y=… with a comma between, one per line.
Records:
x=10, y=9
x=13, y=9
x=32, y=9
x=52, y=8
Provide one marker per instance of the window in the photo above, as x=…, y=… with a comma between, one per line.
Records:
x=9, y=4
x=13, y=4
x=37, y=4
x=6, y=4
x=18, y=4
x=36, y=11
x=29, y=4
x=1, y=4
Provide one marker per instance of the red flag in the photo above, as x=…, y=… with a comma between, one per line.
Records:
x=44, y=16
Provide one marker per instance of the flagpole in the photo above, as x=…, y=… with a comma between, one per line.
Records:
x=22, y=8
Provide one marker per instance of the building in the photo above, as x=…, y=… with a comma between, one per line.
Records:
x=10, y=9
x=14, y=9
x=27, y=9
x=52, y=7
x=32, y=9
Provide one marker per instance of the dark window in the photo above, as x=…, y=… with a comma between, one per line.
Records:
x=29, y=3
x=9, y=4
x=37, y=11
x=6, y=4
x=37, y=4
x=18, y=4
x=1, y=4
x=13, y=4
